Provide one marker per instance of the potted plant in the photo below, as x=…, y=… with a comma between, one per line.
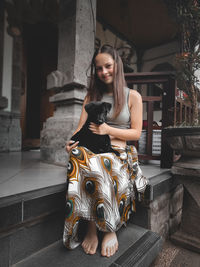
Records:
x=185, y=139
x=187, y=16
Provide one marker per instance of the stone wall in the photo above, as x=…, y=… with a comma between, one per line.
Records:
x=158, y=55
x=161, y=211
x=165, y=212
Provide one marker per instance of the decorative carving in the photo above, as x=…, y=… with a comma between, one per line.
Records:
x=3, y=102
x=126, y=53
x=28, y=11
x=55, y=79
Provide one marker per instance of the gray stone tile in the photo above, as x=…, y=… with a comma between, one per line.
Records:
x=45, y=204
x=152, y=170
x=4, y=252
x=32, y=238
x=25, y=172
x=10, y=215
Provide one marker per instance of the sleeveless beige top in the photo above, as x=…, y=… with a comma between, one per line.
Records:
x=123, y=119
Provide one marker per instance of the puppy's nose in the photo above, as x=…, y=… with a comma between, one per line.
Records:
x=100, y=121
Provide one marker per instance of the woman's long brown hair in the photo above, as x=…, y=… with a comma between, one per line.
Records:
x=97, y=88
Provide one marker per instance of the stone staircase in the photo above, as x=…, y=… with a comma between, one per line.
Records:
x=31, y=227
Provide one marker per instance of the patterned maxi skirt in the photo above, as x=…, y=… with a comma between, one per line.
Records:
x=101, y=188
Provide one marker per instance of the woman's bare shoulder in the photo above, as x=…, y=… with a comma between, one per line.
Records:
x=134, y=97
x=86, y=100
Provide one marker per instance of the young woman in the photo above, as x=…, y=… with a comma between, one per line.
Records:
x=101, y=187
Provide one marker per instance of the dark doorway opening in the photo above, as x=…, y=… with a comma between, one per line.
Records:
x=40, y=59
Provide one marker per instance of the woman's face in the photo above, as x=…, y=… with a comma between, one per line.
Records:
x=104, y=64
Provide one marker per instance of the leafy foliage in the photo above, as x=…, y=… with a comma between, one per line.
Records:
x=186, y=13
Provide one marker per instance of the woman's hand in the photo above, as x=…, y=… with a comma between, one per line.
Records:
x=99, y=129
x=70, y=145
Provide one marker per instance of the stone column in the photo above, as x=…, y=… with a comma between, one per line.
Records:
x=3, y=100
x=77, y=24
x=15, y=133
x=10, y=131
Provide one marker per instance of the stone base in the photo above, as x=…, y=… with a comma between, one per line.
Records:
x=54, y=155
x=165, y=212
x=3, y=102
x=187, y=166
x=187, y=172
x=59, y=128
x=55, y=133
x=162, y=209
x=186, y=240
x=10, y=132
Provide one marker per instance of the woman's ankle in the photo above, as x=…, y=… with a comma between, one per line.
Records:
x=91, y=227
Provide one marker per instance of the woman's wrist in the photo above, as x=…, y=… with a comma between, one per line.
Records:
x=109, y=129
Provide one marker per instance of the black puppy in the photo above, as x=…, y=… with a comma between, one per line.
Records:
x=97, y=113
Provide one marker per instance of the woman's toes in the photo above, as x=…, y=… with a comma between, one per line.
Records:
x=86, y=247
x=112, y=252
x=93, y=250
x=103, y=252
x=108, y=252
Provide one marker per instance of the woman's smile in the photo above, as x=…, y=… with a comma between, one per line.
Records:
x=107, y=78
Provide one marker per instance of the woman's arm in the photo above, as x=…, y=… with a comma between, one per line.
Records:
x=136, y=110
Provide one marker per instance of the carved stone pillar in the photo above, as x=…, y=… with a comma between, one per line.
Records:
x=77, y=23
x=15, y=129
x=10, y=131
x=3, y=100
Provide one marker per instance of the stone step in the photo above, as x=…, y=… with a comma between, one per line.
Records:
x=30, y=222
x=137, y=247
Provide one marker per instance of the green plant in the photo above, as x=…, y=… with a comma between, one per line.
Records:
x=187, y=63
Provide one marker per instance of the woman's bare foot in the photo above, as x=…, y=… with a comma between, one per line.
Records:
x=109, y=244
x=90, y=241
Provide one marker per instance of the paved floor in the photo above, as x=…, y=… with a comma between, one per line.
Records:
x=175, y=256
x=23, y=172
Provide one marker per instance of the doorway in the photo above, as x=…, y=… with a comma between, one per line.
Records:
x=40, y=53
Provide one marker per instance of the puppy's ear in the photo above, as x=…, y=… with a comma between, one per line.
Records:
x=108, y=106
x=89, y=107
